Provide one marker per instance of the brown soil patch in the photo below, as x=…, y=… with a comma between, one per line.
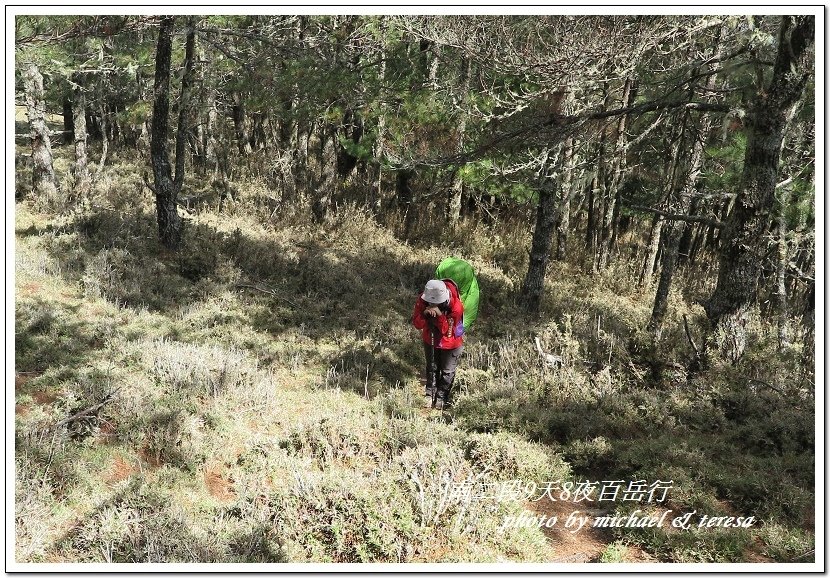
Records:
x=30, y=288
x=120, y=470
x=22, y=409
x=219, y=486
x=22, y=378
x=150, y=458
x=44, y=397
x=753, y=554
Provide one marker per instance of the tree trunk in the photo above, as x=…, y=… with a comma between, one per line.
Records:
x=611, y=206
x=43, y=174
x=676, y=229
x=82, y=180
x=212, y=144
x=652, y=249
x=324, y=190
x=169, y=222
x=68, y=121
x=534, y=283
x=684, y=248
x=742, y=250
x=242, y=125
x=404, y=195
x=454, y=204
x=183, y=126
x=563, y=220
x=102, y=116
x=782, y=262
x=590, y=227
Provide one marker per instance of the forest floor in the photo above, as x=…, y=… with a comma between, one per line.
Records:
x=266, y=403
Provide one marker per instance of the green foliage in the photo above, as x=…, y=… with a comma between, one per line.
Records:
x=614, y=553
x=726, y=164
x=478, y=175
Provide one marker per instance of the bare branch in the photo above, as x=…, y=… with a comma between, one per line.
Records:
x=676, y=217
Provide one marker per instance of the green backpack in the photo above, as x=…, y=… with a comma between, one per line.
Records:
x=462, y=274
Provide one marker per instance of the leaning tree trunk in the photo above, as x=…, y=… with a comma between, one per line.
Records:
x=169, y=222
x=82, y=180
x=742, y=250
x=43, y=174
x=677, y=229
x=534, y=283
x=656, y=234
x=652, y=250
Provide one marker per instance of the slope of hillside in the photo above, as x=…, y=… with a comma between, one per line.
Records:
x=256, y=398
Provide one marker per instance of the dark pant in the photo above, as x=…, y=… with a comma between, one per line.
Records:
x=446, y=362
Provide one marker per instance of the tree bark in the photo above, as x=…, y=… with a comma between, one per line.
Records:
x=44, y=184
x=81, y=170
x=534, y=283
x=169, y=222
x=782, y=262
x=652, y=249
x=611, y=209
x=68, y=124
x=454, y=204
x=102, y=121
x=406, y=200
x=741, y=249
x=242, y=125
x=183, y=126
x=590, y=227
x=675, y=231
x=563, y=216
x=324, y=190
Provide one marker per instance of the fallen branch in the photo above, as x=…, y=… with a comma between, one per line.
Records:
x=765, y=384
x=268, y=292
x=689, y=337
x=89, y=410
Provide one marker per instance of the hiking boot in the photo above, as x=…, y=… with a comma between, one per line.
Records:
x=440, y=400
x=429, y=397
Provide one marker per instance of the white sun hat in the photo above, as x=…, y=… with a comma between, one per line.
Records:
x=435, y=292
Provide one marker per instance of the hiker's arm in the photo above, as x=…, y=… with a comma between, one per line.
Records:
x=418, y=315
x=441, y=324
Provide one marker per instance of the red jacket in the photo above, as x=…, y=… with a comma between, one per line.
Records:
x=448, y=325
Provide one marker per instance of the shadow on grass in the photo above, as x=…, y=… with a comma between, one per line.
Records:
x=359, y=298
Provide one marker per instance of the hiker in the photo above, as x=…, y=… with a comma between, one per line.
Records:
x=439, y=315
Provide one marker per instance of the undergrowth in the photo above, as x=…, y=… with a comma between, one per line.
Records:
x=265, y=397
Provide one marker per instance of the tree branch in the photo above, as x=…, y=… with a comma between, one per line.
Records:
x=676, y=217
x=89, y=410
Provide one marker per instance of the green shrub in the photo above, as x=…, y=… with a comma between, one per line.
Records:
x=614, y=553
